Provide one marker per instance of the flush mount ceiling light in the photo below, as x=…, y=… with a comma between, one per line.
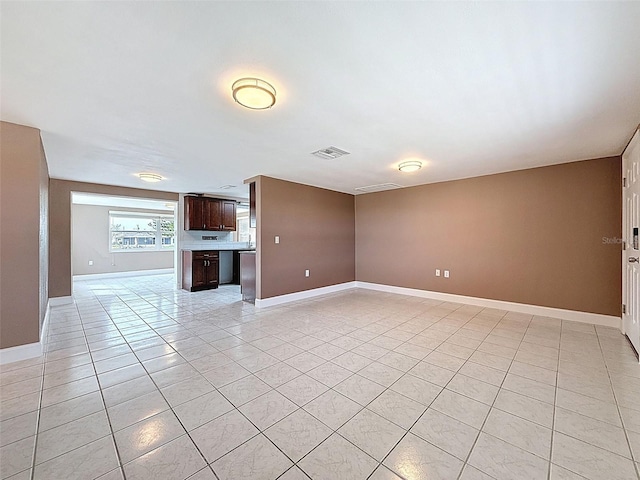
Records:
x=410, y=166
x=254, y=93
x=150, y=177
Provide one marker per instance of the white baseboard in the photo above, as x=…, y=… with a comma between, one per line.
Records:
x=57, y=301
x=45, y=324
x=572, y=315
x=21, y=352
x=133, y=273
x=33, y=350
x=293, y=297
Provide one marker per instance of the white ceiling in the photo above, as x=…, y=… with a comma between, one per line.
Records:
x=470, y=88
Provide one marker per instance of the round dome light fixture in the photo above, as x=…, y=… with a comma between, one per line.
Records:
x=410, y=166
x=254, y=93
x=150, y=177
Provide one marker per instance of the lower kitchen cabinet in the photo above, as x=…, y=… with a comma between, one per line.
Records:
x=200, y=269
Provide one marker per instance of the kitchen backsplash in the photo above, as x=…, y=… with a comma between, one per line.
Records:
x=193, y=236
x=222, y=240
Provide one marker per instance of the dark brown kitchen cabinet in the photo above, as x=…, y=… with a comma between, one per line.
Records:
x=204, y=213
x=195, y=213
x=214, y=215
x=228, y=222
x=200, y=269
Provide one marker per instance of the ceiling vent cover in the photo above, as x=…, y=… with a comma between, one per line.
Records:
x=329, y=153
x=378, y=188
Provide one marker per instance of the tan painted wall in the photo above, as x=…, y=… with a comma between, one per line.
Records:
x=316, y=229
x=90, y=241
x=60, y=225
x=23, y=235
x=532, y=236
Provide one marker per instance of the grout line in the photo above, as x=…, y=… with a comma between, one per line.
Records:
x=473, y=446
x=592, y=418
x=259, y=323
x=39, y=411
x=624, y=428
x=302, y=407
x=171, y=408
x=104, y=405
x=442, y=389
x=555, y=401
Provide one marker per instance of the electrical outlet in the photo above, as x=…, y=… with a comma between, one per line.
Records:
x=446, y=274
x=277, y=239
x=306, y=273
x=437, y=272
x=90, y=263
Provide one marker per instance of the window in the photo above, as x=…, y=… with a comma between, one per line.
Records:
x=243, y=232
x=133, y=232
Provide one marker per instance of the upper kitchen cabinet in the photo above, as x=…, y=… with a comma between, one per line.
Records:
x=228, y=222
x=204, y=213
x=214, y=214
x=195, y=213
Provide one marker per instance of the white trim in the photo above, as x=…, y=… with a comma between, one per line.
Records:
x=45, y=324
x=21, y=352
x=133, y=273
x=57, y=301
x=293, y=297
x=572, y=315
x=138, y=214
x=33, y=350
x=157, y=247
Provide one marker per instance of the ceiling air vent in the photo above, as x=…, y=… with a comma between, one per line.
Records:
x=329, y=153
x=378, y=188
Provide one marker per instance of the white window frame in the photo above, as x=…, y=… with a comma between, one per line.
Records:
x=158, y=247
x=250, y=233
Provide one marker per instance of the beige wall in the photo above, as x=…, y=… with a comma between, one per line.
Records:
x=316, y=229
x=90, y=241
x=60, y=225
x=532, y=236
x=23, y=235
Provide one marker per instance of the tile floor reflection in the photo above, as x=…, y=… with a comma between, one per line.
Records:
x=144, y=381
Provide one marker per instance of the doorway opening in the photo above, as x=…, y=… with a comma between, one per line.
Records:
x=113, y=236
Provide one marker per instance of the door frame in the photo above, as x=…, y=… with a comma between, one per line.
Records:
x=627, y=242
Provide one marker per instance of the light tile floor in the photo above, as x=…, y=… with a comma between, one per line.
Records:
x=143, y=381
